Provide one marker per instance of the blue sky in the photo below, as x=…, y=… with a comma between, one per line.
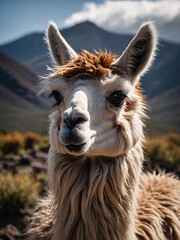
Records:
x=21, y=17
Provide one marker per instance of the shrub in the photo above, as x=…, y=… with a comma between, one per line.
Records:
x=11, y=142
x=35, y=141
x=15, y=142
x=32, y=139
x=173, y=139
x=18, y=194
x=164, y=152
x=42, y=179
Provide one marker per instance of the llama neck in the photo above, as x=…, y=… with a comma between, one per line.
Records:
x=95, y=198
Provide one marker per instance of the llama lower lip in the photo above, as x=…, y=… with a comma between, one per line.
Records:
x=75, y=148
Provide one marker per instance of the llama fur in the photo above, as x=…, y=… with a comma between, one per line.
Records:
x=99, y=191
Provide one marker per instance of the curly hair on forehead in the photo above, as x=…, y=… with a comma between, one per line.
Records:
x=88, y=65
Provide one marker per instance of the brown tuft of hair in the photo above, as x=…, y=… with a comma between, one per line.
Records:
x=88, y=65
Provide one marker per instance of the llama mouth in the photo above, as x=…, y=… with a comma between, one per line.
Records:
x=75, y=148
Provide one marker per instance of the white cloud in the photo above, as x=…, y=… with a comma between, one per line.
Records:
x=127, y=16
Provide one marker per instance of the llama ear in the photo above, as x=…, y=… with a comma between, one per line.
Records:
x=139, y=54
x=60, y=50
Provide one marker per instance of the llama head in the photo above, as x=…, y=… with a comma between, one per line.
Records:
x=99, y=103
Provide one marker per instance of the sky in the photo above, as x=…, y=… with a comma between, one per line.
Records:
x=22, y=17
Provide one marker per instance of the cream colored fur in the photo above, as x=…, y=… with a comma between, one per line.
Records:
x=97, y=189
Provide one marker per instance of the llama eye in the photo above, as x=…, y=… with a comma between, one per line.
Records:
x=116, y=98
x=57, y=96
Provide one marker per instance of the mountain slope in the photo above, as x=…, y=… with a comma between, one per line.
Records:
x=25, y=48
x=166, y=106
x=18, y=83
x=20, y=108
x=33, y=51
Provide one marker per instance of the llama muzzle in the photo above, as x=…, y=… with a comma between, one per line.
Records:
x=75, y=124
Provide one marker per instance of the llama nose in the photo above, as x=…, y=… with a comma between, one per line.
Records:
x=75, y=117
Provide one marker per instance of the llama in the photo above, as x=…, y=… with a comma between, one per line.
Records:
x=97, y=188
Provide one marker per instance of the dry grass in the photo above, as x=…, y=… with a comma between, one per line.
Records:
x=18, y=194
x=33, y=140
x=14, y=142
x=11, y=143
x=164, y=152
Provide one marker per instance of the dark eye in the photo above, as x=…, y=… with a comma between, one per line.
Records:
x=57, y=96
x=116, y=98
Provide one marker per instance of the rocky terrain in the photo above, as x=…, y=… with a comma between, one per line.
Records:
x=32, y=163
x=22, y=181
x=23, y=178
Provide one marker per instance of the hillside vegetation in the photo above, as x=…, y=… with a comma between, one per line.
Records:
x=23, y=178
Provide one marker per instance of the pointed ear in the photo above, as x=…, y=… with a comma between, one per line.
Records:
x=60, y=50
x=139, y=54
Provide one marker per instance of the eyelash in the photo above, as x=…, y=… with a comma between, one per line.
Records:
x=57, y=97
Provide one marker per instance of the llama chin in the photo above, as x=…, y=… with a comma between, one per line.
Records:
x=97, y=188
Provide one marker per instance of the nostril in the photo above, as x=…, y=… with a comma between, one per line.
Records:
x=71, y=123
x=79, y=120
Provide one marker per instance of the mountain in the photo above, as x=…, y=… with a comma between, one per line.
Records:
x=166, y=106
x=25, y=48
x=18, y=98
x=32, y=51
x=161, y=83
